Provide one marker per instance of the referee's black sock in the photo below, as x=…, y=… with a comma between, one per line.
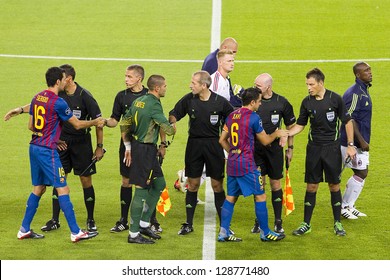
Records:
x=310, y=202
x=56, y=206
x=89, y=199
x=277, y=199
x=219, y=199
x=126, y=196
x=335, y=198
x=191, y=201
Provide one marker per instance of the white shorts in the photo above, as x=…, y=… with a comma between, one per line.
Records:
x=361, y=161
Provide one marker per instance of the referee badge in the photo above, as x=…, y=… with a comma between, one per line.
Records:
x=275, y=119
x=214, y=119
x=330, y=116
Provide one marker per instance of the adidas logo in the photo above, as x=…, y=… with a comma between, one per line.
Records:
x=278, y=199
x=307, y=204
x=188, y=206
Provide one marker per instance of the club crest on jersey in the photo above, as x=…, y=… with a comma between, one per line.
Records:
x=77, y=113
x=330, y=116
x=275, y=119
x=214, y=119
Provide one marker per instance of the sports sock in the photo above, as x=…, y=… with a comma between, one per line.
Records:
x=262, y=216
x=89, y=200
x=154, y=193
x=310, y=203
x=352, y=191
x=67, y=207
x=153, y=218
x=125, y=196
x=56, y=205
x=277, y=199
x=31, y=209
x=226, y=217
x=335, y=198
x=219, y=199
x=191, y=201
x=136, y=207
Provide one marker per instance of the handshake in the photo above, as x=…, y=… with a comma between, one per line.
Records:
x=237, y=90
x=99, y=122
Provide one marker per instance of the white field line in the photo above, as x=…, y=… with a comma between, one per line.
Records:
x=384, y=59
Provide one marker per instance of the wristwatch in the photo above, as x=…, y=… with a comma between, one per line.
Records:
x=100, y=145
x=351, y=144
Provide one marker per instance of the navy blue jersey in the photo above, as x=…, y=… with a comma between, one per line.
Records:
x=210, y=63
x=242, y=126
x=325, y=116
x=359, y=105
x=48, y=111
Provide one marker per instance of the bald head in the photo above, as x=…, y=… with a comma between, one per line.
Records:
x=264, y=83
x=229, y=44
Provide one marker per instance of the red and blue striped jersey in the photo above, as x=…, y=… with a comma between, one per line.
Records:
x=47, y=111
x=242, y=125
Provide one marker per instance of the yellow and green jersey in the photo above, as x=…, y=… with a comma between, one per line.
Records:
x=144, y=119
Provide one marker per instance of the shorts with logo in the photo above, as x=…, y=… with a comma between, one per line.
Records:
x=245, y=185
x=78, y=155
x=270, y=159
x=204, y=151
x=323, y=159
x=46, y=167
x=361, y=161
x=144, y=164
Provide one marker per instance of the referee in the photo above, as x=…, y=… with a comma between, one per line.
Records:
x=273, y=110
x=207, y=112
x=325, y=110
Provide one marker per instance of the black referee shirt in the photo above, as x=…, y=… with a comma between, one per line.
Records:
x=205, y=117
x=325, y=116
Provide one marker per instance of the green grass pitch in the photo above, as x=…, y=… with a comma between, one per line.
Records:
x=284, y=38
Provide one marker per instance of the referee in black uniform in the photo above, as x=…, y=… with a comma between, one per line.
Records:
x=325, y=110
x=207, y=112
x=75, y=146
x=273, y=110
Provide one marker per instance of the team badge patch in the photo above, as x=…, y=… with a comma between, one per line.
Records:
x=214, y=119
x=330, y=116
x=68, y=111
x=275, y=119
x=77, y=113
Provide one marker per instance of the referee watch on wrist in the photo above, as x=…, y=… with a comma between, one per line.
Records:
x=100, y=145
x=291, y=147
x=351, y=144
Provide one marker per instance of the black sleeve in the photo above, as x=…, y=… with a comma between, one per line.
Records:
x=181, y=108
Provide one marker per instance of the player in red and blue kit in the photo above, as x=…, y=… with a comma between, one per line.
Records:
x=47, y=112
x=238, y=139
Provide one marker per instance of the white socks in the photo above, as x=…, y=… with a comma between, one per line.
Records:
x=352, y=191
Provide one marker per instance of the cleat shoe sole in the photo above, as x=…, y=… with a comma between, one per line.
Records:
x=139, y=239
x=83, y=235
x=30, y=234
x=230, y=238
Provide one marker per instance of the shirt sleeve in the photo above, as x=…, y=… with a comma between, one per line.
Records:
x=303, y=114
x=161, y=120
x=181, y=108
x=63, y=110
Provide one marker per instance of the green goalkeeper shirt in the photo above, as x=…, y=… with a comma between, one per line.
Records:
x=144, y=119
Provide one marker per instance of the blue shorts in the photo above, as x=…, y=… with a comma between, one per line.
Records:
x=245, y=185
x=46, y=167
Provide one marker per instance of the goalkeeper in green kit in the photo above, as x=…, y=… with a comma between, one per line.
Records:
x=140, y=130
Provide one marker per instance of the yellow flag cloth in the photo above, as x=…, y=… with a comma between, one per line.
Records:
x=164, y=203
x=288, y=199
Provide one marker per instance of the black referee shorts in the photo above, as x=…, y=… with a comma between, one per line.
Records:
x=270, y=160
x=323, y=159
x=78, y=155
x=204, y=151
x=144, y=164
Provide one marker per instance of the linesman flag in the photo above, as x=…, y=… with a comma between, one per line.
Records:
x=164, y=202
x=288, y=199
